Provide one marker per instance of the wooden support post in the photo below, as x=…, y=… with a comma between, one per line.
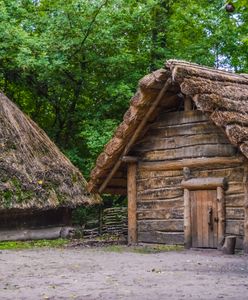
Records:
x=221, y=216
x=187, y=103
x=246, y=210
x=132, y=205
x=187, y=220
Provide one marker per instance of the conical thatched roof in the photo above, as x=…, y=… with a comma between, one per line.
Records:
x=34, y=174
x=222, y=95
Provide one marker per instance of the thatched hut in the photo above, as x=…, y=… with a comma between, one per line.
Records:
x=180, y=155
x=38, y=185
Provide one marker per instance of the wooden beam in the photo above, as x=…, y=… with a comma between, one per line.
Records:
x=129, y=159
x=132, y=205
x=136, y=133
x=187, y=220
x=206, y=183
x=245, y=180
x=191, y=163
x=187, y=103
x=220, y=216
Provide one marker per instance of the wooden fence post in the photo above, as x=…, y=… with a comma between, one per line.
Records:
x=187, y=220
x=221, y=216
x=132, y=205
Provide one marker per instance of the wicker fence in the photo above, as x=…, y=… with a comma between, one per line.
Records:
x=110, y=221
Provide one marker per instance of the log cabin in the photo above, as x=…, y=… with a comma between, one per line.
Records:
x=180, y=156
x=39, y=186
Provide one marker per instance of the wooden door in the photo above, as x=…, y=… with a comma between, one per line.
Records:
x=204, y=218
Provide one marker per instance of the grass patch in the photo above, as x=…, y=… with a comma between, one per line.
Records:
x=143, y=249
x=15, y=245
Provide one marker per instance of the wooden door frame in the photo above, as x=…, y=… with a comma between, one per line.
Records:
x=207, y=183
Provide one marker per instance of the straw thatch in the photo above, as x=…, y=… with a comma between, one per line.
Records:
x=34, y=174
x=221, y=95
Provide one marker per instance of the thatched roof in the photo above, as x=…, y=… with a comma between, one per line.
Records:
x=34, y=174
x=222, y=95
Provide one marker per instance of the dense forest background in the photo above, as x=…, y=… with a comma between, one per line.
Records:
x=72, y=65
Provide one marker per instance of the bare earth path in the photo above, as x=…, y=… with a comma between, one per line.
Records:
x=98, y=274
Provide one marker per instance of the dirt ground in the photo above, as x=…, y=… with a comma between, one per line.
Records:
x=99, y=274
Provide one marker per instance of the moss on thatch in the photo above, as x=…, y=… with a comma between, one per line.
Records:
x=221, y=95
x=34, y=174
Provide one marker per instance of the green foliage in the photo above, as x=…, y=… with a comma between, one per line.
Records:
x=15, y=245
x=73, y=65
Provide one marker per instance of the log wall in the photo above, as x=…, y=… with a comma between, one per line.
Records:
x=160, y=205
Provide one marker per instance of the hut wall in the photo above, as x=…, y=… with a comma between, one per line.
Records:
x=16, y=219
x=176, y=136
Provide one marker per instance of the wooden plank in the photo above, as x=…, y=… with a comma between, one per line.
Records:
x=187, y=219
x=150, y=143
x=234, y=200
x=235, y=213
x=160, y=225
x=235, y=188
x=156, y=214
x=220, y=216
x=132, y=205
x=194, y=219
x=180, y=117
x=235, y=227
x=158, y=182
x=161, y=193
x=192, y=163
x=204, y=183
x=190, y=152
x=147, y=174
x=232, y=174
x=203, y=203
x=158, y=237
x=215, y=218
x=182, y=129
x=160, y=204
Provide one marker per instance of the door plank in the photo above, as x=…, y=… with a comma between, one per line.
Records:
x=203, y=235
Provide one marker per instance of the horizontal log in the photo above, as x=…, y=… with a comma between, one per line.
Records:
x=235, y=213
x=34, y=234
x=157, y=214
x=149, y=174
x=158, y=143
x=160, y=225
x=160, y=204
x=235, y=227
x=191, y=151
x=162, y=193
x=232, y=174
x=180, y=117
x=234, y=200
x=159, y=182
x=191, y=163
x=204, y=183
x=129, y=159
x=182, y=130
x=158, y=237
x=235, y=188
